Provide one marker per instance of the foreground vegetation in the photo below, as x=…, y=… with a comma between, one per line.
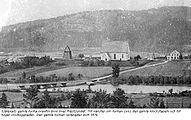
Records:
x=80, y=99
x=153, y=80
x=32, y=98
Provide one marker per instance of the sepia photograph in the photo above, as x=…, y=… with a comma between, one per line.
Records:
x=95, y=54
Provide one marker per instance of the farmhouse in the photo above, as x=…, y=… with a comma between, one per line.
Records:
x=175, y=55
x=115, y=50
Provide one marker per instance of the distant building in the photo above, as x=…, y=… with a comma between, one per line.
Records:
x=115, y=50
x=150, y=56
x=175, y=55
x=96, y=56
x=92, y=57
x=67, y=53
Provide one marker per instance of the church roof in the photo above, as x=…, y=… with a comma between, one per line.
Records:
x=115, y=47
x=67, y=48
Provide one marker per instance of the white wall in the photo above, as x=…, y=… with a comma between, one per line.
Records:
x=118, y=56
x=173, y=56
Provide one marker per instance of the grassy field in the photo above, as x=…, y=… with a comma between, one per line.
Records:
x=172, y=68
x=87, y=72
x=31, y=71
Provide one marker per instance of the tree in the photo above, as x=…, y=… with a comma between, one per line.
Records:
x=12, y=105
x=81, y=55
x=71, y=77
x=131, y=104
x=91, y=63
x=32, y=79
x=3, y=101
x=5, y=81
x=24, y=75
x=30, y=97
x=79, y=99
x=107, y=63
x=68, y=95
x=63, y=97
x=118, y=99
x=162, y=105
x=189, y=57
x=156, y=103
x=46, y=99
x=80, y=76
x=189, y=106
x=100, y=100
x=131, y=80
x=181, y=57
x=53, y=77
x=115, y=75
x=138, y=57
x=115, y=71
x=170, y=91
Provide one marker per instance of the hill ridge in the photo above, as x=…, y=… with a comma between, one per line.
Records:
x=160, y=30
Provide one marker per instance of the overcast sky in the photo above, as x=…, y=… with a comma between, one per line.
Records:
x=15, y=11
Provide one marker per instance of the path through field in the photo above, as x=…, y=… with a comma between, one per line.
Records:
x=133, y=69
x=89, y=80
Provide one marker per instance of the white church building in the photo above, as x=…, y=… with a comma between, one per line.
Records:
x=115, y=50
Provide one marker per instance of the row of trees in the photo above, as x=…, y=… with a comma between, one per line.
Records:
x=32, y=99
x=50, y=78
x=3, y=70
x=3, y=80
x=148, y=80
x=31, y=61
x=96, y=62
x=187, y=57
x=155, y=80
x=43, y=79
x=81, y=99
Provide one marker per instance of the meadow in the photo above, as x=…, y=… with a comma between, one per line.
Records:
x=30, y=71
x=87, y=72
x=172, y=68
